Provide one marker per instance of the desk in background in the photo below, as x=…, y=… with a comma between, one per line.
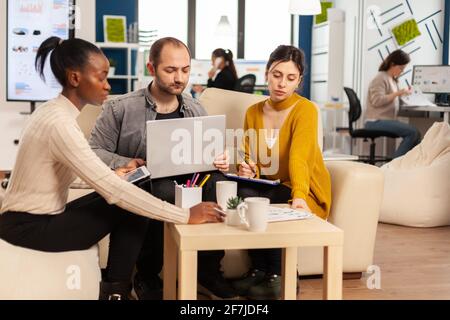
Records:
x=408, y=109
x=339, y=157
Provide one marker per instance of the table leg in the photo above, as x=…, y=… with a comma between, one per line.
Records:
x=187, y=275
x=170, y=265
x=332, y=273
x=289, y=274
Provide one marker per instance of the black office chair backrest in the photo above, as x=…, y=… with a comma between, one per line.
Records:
x=246, y=83
x=355, y=110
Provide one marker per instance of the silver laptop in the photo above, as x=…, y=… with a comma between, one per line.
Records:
x=181, y=146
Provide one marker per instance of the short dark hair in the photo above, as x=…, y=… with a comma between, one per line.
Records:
x=67, y=54
x=158, y=46
x=396, y=58
x=288, y=53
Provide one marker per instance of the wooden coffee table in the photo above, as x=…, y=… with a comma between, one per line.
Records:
x=182, y=242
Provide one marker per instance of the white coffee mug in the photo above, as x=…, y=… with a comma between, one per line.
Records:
x=254, y=213
x=224, y=191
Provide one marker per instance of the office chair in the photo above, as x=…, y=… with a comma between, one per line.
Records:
x=246, y=83
x=354, y=114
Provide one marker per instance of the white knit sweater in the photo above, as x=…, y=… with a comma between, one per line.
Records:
x=53, y=152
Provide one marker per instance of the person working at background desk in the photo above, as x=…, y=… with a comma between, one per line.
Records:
x=119, y=139
x=286, y=128
x=223, y=74
x=383, y=102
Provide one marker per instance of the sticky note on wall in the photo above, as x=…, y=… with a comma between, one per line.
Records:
x=406, y=32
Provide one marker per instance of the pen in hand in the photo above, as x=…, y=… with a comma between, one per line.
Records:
x=224, y=214
x=247, y=164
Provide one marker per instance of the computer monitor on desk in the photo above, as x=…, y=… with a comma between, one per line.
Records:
x=433, y=80
x=200, y=69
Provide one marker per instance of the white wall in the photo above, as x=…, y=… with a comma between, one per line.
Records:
x=352, y=57
x=423, y=50
x=361, y=64
x=11, y=122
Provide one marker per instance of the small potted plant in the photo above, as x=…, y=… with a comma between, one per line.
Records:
x=112, y=67
x=233, y=218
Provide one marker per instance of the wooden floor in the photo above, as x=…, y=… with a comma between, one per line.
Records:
x=414, y=263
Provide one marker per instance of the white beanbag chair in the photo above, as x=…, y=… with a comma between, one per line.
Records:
x=417, y=185
x=34, y=275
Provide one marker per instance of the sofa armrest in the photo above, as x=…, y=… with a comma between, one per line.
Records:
x=357, y=191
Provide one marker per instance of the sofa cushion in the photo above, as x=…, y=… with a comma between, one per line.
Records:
x=235, y=104
x=34, y=275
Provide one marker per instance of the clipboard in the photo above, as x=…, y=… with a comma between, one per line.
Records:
x=262, y=181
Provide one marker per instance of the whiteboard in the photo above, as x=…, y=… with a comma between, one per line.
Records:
x=30, y=22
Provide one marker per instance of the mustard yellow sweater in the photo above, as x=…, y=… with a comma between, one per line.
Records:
x=300, y=162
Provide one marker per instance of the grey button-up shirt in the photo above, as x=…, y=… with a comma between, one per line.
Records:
x=119, y=134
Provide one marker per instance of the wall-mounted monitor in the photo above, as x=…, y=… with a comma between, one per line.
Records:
x=29, y=23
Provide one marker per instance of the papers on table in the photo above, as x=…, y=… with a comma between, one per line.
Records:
x=416, y=99
x=287, y=214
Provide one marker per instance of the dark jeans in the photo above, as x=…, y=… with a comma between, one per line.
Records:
x=411, y=136
x=268, y=260
x=150, y=260
x=83, y=224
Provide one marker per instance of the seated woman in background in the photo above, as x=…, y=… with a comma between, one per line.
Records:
x=223, y=74
x=287, y=131
x=383, y=99
x=53, y=152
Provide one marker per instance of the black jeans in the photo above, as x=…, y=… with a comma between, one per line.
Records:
x=268, y=260
x=150, y=260
x=83, y=224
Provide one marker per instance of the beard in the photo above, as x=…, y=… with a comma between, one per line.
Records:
x=175, y=88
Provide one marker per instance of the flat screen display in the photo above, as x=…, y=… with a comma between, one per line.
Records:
x=30, y=22
x=432, y=79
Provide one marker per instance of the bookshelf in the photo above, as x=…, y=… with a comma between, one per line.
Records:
x=127, y=67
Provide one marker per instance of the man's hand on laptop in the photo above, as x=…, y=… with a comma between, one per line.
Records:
x=206, y=212
x=222, y=162
x=132, y=165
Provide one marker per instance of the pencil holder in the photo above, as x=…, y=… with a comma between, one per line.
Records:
x=187, y=197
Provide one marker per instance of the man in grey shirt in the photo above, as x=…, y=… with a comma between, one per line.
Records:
x=119, y=139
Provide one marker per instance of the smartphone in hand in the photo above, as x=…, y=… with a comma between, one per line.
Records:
x=137, y=175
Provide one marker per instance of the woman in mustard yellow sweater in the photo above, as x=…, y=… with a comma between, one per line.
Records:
x=284, y=145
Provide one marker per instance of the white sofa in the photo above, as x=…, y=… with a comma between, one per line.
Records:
x=33, y=275
x=357, y=192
